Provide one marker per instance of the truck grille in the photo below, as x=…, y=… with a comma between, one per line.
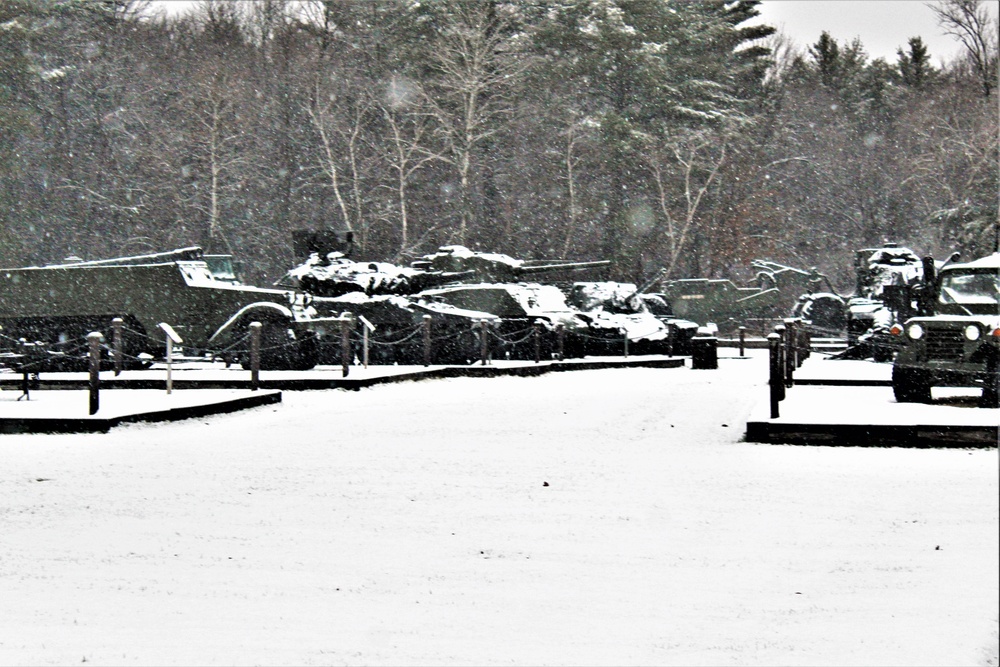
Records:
x=945, y=344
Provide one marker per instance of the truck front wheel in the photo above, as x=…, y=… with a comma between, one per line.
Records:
x=910, y=385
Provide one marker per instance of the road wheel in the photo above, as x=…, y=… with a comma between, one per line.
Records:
x=910, y=385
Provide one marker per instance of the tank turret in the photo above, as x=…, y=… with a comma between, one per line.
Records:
x=494, y=267
x=332, y=273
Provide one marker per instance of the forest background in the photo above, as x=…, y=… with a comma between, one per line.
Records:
x=673, y=134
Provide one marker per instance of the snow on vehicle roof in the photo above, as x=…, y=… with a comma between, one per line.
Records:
x=463, y=252
x=988, y=262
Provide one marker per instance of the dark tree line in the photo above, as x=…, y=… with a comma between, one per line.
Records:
x=656, y=133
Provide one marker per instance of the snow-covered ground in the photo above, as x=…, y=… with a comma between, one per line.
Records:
x=592, y=517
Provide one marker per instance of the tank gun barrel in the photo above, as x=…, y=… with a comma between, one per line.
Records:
x=180, y=255
x=567, y=266
x=649, y=283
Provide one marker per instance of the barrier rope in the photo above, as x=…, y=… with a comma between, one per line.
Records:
x=509, y=337
x=416, y=330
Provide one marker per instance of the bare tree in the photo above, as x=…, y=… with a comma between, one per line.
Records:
x=477, y=69
x=576, y=132
x=697, y=159
x=970, y=22
x=409, y=148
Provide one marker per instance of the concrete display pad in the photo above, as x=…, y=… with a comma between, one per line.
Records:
x=66, y=410
x=850, y=403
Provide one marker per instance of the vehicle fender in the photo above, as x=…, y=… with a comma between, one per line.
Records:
x=263, y=310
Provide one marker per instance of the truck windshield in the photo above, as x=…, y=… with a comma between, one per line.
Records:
x=980, y=288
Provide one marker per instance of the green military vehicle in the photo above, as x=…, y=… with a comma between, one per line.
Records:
x=954, y=341
x=58, y=305
x=724, y=303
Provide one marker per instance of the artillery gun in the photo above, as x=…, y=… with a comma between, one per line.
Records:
x=889, y=286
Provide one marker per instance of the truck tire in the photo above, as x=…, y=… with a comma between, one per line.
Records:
x=910, y=385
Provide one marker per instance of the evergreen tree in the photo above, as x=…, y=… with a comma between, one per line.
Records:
x=914, y=65
x=647, y=65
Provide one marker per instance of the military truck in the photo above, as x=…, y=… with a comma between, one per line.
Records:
x=60, y=304
x=954, y=340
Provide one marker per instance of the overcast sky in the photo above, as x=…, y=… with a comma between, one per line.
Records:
x=882, y=25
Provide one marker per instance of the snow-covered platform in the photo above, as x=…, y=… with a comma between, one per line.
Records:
x=842, y=402
x=59, y=402
x=67, y=410
x=203, y=375
x=822, y=370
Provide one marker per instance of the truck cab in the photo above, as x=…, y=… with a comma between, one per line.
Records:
x=956, y=342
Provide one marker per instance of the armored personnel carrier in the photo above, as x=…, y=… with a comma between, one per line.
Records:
x=60, y=304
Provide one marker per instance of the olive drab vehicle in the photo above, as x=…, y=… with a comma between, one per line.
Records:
x=954, y=339
x=888, y=284
x=724, y=303
x=470, y=296
x=58, y=305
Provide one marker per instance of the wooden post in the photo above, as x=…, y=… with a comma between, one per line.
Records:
x=743, y=341
x=346, y=319
x=255, y=328
x=775, y=381
x=537, y=334
x=626, y=344
x=427, y=340
x=22, y=345
x=94, y=339
x=791, y=353
x=170, y=363
x=484, y=342
x=118, y=349
x=806, y=345
x=561, y=339
x=783, y=353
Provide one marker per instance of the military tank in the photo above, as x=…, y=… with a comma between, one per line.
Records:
x=329, y=271
x=460, y=288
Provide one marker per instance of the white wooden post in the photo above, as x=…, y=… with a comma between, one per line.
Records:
x=171, y=338
x=367, y=327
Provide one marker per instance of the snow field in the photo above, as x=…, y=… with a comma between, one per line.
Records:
x=585, y=518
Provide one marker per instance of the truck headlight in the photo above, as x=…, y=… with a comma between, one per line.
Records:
x=915, y=331
x=972, y=332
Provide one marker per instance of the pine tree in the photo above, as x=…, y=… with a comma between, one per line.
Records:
x=915, y=69
x=646, y=67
